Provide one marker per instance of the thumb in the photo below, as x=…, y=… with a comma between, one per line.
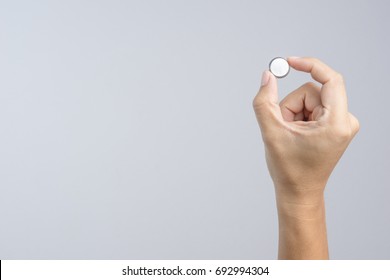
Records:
x=265, y=103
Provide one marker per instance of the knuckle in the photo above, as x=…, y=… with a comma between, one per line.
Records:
x=338, y=77
x=255, y=100
x=356, y=126
x=259, y=103
x=309, y=85
x=342, y=133
x=317, y=62
x=354, y=122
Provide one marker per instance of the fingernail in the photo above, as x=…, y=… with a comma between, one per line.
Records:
x=265, y=78
x=294, y=57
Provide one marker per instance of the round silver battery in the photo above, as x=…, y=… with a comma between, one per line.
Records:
x=279, y=67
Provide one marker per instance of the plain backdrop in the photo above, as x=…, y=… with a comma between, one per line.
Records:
x=127, y=129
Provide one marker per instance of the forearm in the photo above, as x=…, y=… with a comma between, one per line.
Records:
x=302, y=226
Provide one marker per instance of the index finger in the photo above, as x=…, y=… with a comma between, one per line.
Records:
x=333, y=95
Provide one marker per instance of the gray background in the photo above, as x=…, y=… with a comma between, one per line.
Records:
x=127, y=129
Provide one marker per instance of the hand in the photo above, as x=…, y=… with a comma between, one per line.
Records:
x=307, y=133
x=304, y=137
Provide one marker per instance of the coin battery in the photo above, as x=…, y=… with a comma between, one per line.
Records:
x=279, y=67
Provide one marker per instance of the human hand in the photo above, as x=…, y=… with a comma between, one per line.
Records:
x=307, y=133
x=304, y=137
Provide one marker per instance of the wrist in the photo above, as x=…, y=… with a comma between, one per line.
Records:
x=302, y=229
x=300, y=203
